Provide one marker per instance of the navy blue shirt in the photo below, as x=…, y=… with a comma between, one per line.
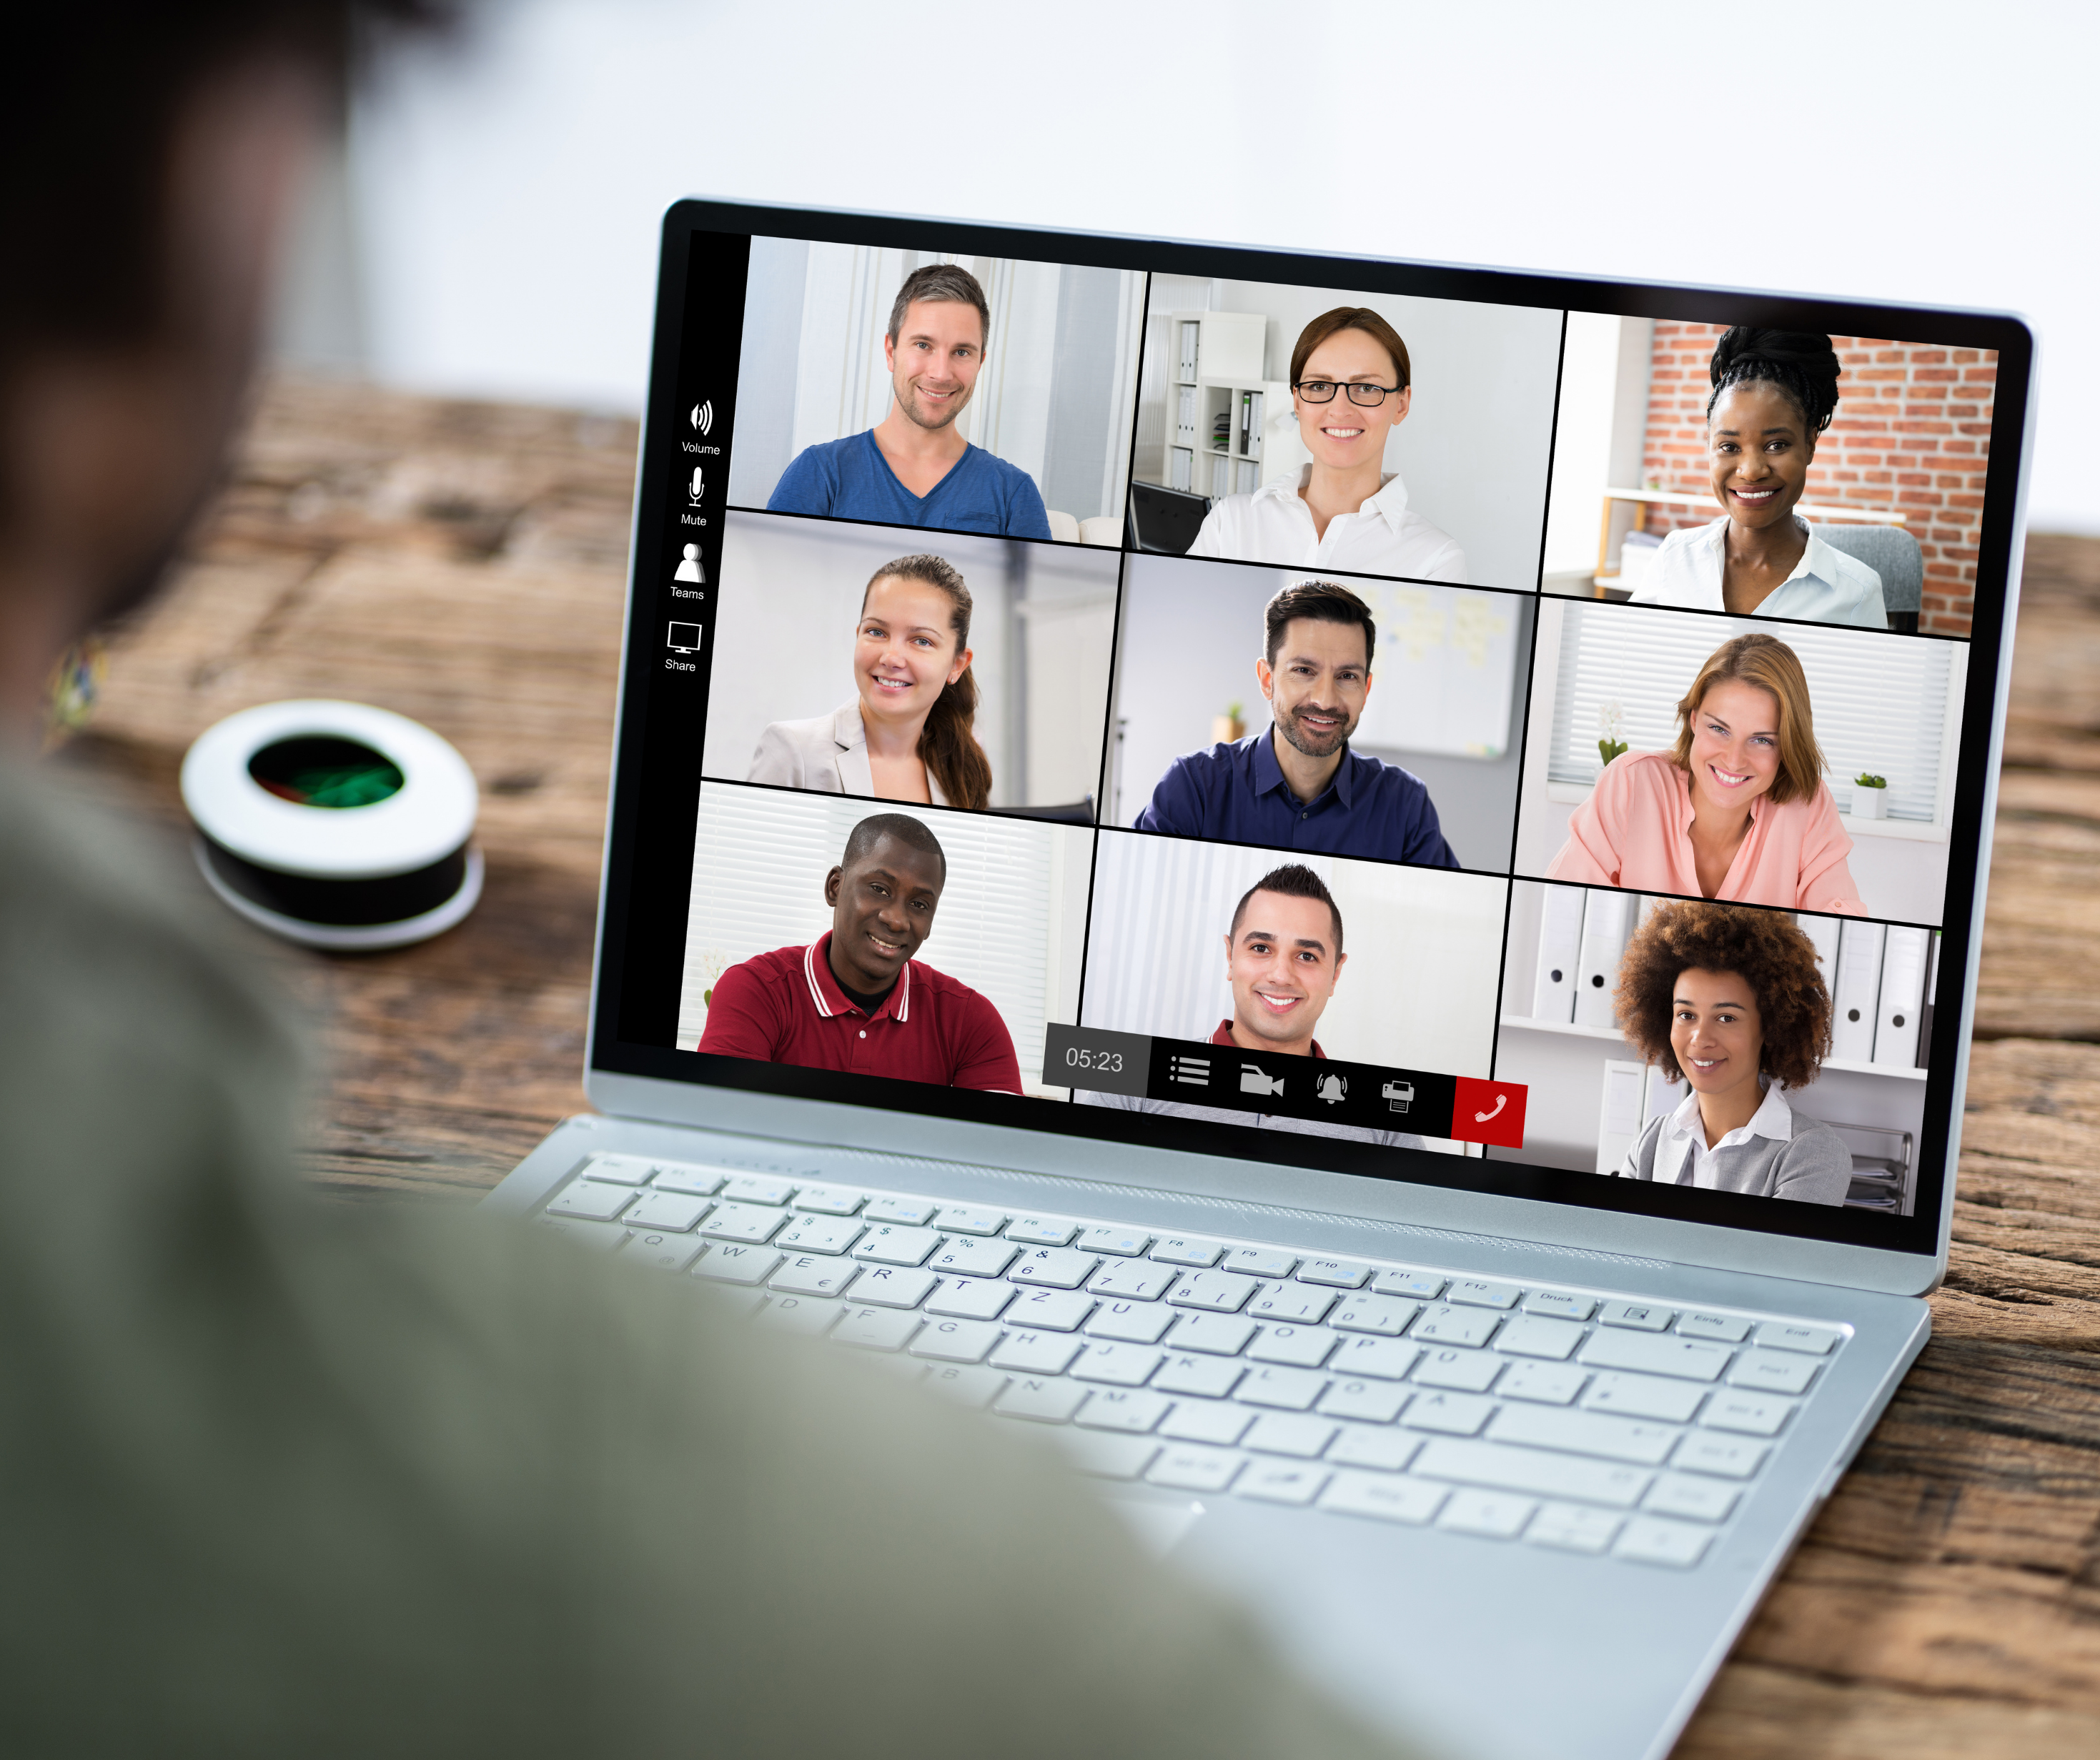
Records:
x=850, y=479
x=1237, y=794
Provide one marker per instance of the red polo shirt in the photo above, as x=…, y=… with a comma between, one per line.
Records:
x=786, y=1007
x=1223, y=1035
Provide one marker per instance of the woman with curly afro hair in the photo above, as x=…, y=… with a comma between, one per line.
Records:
x=1731, y=1001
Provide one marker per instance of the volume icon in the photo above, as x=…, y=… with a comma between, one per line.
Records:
x=702, y=417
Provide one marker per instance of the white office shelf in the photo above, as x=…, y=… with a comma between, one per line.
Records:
x=1568, y=1029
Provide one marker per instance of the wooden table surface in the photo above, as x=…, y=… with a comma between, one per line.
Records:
x=463, y=564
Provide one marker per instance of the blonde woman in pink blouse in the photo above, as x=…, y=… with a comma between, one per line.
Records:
x=1737, y=810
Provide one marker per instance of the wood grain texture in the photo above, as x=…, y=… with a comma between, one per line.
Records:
x=464, y=564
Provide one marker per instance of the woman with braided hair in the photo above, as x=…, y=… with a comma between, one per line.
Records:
x=1774, y=392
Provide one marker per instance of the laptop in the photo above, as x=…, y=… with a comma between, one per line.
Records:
x=1360, y=1132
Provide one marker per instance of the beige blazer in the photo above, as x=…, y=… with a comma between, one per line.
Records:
x=825, y=754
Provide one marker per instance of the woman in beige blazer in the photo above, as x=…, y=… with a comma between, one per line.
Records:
x=909, y=734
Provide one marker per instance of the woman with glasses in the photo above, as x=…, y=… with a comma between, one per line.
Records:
x=1350, y=387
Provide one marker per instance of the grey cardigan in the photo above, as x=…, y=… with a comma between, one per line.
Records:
x=827, y=753
x=1813, y=1165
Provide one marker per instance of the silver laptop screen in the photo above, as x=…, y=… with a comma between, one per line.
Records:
x=1429, y=724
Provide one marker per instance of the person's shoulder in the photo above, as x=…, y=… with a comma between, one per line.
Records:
x=1010, y=476
x=769, y=970
x=1687, y=537
x=1641, y=772
x=928, y=980
x=824, y=458
x=1813, y=1140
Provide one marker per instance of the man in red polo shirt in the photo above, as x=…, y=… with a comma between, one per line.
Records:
x=856, y=999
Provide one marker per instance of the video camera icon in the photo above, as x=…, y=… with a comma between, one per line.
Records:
x=1257, y=1080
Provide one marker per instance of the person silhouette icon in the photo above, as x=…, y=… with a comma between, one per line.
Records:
x=690, y=570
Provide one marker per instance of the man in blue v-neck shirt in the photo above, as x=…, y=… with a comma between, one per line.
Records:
x=913, y=469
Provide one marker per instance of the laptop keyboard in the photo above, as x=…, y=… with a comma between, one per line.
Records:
x=1551, y=1416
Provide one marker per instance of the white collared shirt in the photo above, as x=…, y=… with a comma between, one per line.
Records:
x=1826, y=586
x=1683, y=1158
x=1381, y=537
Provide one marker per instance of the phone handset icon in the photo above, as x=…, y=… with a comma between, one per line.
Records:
x=1502, y=1100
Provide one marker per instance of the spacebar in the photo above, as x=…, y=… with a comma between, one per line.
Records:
x=1518, y=1469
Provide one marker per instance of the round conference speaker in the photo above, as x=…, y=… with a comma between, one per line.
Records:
x=335, y=824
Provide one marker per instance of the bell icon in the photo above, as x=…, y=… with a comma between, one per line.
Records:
x=1334, y=1090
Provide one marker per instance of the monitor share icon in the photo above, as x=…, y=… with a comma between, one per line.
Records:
x=702, y=417
x=685, y=638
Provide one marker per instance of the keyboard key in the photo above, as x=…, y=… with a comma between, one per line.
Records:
x=1693, y=1359
x=732, y=1264
x=1395, y=1500
x=1223, y=1334
x=964, y=1341
x=973, y=1257
x=1108, y=1457
x=1558, y=1306
x=800, y=1313
x=1783, y=1334
x=1261, y=1262
x=1518, y=1469
x=910, y=1212
x=1496, y=1515
x=1771, y=1371
x=1475, y=1292
x=1218, y=1422
x=681, y=1177
x=972, y=1219
x=1053, y=1268
x=619, y=1169
x=1543, y=1383
x=1752, y=1414
x=1137, y=1322
x=591, y=1201
x=1130, y=1409
x=1276, y=1481
x=810, y=1275
x=1335, y=1273
x=1287, y=1390
x=1207, y=1377
x=1695, y=1499
x=876, y=1329
x=663, y=1252
x=1301, y=1347
x=593, y=1237
x=1583, y=1432
x=1119, y=1364
x=749, y=1223
x=888, y=1243
x=1140, y=1279
x=1040, y=1398
x=818, y=1234
x=1124, y=1242
x=893, y=1286
x=1535, y=1335
x=1639, y=1396
x=758, y=1188
x=1050, y=1310
x=1190, y=1467
x=1369, y=1401
x=1649, y=1540
x=1281, y=1434
x=1724, y=1329
x=1290, y=1301
x=1036, y=1353
x=1469, y=1371
x=1449, y=1414
x=1636, y=1315
x=1381, y=1450
x=1219, y=1292
x=1385, y=1315
x=975, y=1387
x=1036, y=1231
x=1176, y=1251
x=1389, y=1359
x=970, y=1298
x=829, y=1200
x=1724, y=1457
x=1424, y=1286
x=1466, y=1327
x=1572, y=1528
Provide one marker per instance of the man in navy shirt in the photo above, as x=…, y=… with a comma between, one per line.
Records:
x=913, y=469
x=1296, y=785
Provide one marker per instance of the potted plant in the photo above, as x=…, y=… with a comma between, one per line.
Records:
x=1870, y=796
x=1612, y=724
x=1228, y=727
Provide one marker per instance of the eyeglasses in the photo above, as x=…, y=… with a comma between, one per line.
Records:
x=1323, y=390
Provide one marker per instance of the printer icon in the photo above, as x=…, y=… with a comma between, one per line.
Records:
x=1399, y=1095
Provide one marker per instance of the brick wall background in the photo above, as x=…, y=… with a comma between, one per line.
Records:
x=1913, y=433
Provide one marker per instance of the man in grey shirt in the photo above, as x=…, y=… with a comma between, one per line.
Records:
x=284, y=1481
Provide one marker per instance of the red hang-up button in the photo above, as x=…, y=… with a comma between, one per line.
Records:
x=1488, y=1112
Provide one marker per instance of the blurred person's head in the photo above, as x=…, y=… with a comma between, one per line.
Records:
x=1351, y=385
x=1316, y=666
x=939, y=326
x=1283, y=953
x=150, y=154
x=911, y=667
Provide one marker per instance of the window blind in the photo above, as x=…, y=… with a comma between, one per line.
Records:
x=1882, y=702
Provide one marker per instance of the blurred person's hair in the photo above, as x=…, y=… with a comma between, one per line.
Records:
x=948, y=742
x=1774, y=668
x=941, y=281
x=1351, y=318
x=901, y=829
x=1800, y=362
x=1318, y=601
x=1292, y=880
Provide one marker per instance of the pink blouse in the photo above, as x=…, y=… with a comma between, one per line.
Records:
x=1635, y=831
